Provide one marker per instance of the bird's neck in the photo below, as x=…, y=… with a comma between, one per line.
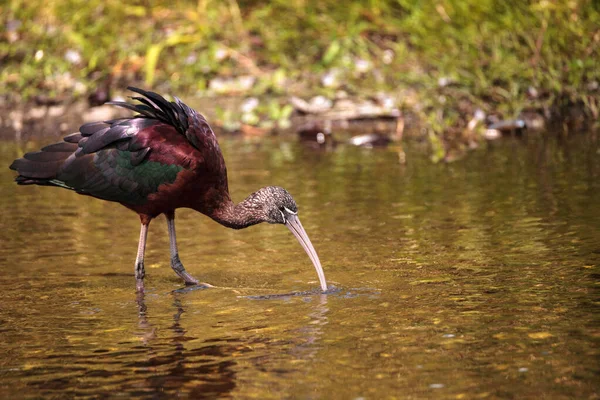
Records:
x=238, y=216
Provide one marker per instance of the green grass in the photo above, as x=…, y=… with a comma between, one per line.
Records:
x=493, y=52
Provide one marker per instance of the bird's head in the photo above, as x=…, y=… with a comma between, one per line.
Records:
x=278, y=204
x=279, y=207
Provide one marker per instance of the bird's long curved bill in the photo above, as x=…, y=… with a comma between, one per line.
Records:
x=294, y=225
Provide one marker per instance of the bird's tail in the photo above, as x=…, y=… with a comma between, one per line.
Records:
x=42, y=167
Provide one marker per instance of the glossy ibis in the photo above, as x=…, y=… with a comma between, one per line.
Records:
x=163, y=158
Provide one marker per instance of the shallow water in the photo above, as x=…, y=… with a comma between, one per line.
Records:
x=477, y=279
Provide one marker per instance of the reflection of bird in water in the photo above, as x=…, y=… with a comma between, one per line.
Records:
x=206, y=372
x=149, y=332
x=165, y=157
x=218, y=366
x=312, y=332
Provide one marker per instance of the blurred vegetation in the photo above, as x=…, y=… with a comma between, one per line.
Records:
x=441, y=59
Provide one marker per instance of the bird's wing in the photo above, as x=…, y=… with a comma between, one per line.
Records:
x=127, y=159
x=108, y=160
x=183, y=118
x=113, y=161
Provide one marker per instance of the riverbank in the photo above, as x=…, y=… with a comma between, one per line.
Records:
x=457, y=68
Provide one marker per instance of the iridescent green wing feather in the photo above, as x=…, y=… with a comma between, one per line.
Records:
x=121, y=170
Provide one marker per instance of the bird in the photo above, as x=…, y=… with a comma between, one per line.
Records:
x=164, y=157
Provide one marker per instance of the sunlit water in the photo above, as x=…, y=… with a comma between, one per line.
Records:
x=477, y=279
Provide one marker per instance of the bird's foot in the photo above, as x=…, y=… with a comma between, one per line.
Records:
x=180, y=270
x=189, y=280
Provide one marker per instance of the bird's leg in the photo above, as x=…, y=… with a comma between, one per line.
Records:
x=139, y=260
x=175, y=261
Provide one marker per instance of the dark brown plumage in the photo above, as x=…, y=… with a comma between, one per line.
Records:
x=165, y=157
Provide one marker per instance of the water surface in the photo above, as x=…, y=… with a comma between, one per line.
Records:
x=477, y=279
